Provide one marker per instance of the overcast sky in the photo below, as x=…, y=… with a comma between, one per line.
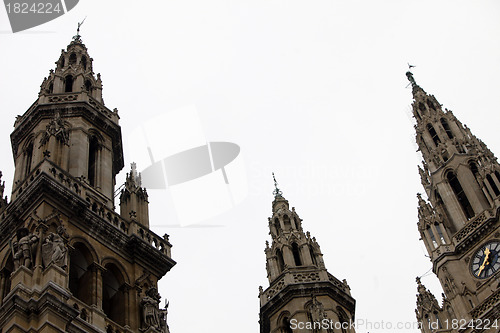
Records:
x=313, y=90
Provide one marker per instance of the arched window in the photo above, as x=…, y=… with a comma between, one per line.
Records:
x=93, y=159
x=68, y=83
x=113, y=298
x=5, y=274
x=51, y=88
x=431, y=104
x=28, y=157
x=80, y=277
x=72, y=59
x=296, y=254
x=493, y=185
x=277, y=224
x=286, y=327
x=447, y=128
x=281, y=263
x=421, y=107
x=343, y=319
x=497, y=174
x=440, y=233
x=433, y=134
x=88, y=85
x=84, y=62
x=460, y=194
x=474, y=169
x=287, y=223
x=431, y=235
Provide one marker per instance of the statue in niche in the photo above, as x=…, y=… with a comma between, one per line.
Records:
x=54, y=251
x=23, y=250
x=150, y=309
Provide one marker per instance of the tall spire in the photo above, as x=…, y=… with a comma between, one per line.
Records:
x=300, y=287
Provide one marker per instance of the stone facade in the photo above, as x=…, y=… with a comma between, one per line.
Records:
x=302, y=296
x=459, y=223
x=68, y=261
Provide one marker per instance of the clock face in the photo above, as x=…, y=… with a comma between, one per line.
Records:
x=486, y=261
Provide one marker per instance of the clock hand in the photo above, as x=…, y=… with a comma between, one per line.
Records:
x=485, y=262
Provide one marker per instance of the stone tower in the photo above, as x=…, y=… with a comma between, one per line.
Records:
x=459, y=223
x=69, y=262
x=302, y=295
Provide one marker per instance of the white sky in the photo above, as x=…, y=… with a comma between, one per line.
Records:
x=314, y=91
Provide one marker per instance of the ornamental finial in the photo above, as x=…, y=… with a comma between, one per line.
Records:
x=77, y=38
x=277, y=192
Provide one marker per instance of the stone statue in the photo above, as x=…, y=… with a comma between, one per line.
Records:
x=23, y=249
x=54, y=251
x=163, y=318
x=150, y=310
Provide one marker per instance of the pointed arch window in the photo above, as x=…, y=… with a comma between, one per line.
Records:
x=93, y=160
x=460, y=195
x=431, y=104
x=88, y=85
x=433, y=134
x=51, y=88
x=286, y=327
x=28, y=155
x=497, y=174
x=277, y=224
x=447, y=128
x=343, y=319
x=80, y=276
x=68, y=83
x=281, y=262
x=296, y=254
x=72, y=59
x=493, y=185
x=431, y=235
x=113, y=297
x=440, y=233
x=287, y=223
x=84, y=62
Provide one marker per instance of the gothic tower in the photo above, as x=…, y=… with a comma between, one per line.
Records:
x=302, y=295
x=69, y=262
x=459, y=224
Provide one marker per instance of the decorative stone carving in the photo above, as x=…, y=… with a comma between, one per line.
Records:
x=23, y=250
x=54, y=251
x=57, y=128
x=152, y=315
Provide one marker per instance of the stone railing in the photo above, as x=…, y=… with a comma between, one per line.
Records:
x=274, y=289
x=471, y=226
x=488, y=304
x=97, y=204
x=77, y=97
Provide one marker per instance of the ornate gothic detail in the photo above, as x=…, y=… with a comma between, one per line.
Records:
x=57, y=128
x=23, y=250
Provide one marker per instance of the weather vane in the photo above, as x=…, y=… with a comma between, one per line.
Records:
x=277, y=192
x=410, y=77
x=77, y=37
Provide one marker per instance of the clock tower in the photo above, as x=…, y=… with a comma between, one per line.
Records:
x=459, y=220
x=302, y=296
x=68, y=261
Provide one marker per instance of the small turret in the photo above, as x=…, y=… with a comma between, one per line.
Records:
x=134, y=199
